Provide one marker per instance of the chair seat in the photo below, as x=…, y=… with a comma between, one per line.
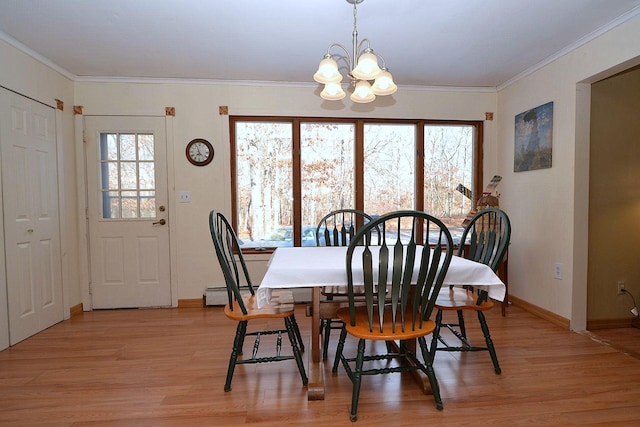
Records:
x=280, y=305
x=459, y=298
x=361, y=330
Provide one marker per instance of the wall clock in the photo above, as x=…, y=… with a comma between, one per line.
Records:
x=199, y=152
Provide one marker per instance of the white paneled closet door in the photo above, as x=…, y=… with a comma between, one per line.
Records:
x=30, y=215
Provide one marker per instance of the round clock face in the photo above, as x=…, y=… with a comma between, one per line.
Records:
x=199, y=152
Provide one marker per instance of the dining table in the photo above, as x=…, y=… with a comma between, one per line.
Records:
x=315, y=267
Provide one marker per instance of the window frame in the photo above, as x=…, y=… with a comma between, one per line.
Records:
x=359, y=124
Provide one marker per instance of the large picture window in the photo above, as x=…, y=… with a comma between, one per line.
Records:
x=288, y=172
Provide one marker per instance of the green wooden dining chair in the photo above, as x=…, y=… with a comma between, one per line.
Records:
x=401, y=279
x=243, y=308
x=337, y=228
x=486, y=240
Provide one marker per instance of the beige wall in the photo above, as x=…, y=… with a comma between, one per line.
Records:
x=614, y=190
x=197, y=115
x=549, y=207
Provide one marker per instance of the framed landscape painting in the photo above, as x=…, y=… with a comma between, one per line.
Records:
x=533, y=139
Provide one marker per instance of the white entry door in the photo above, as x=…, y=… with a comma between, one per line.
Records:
x=127, y=211
x=30, y=211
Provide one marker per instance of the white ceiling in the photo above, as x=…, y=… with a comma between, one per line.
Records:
x=458, y=43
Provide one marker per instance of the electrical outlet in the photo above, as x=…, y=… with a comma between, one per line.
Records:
x=620, y=287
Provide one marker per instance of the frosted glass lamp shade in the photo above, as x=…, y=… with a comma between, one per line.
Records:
x=332, y=92
x=367, y=68
x=384, y=84
x=328, y=72
x=362, y=93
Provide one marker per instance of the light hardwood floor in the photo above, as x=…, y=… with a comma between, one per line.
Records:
x=624, y=339
x=166, y=367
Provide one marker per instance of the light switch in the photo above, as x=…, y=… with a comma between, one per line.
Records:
x=185, y=196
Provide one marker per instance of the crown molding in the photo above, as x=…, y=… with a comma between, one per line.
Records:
x=581, y=42
x=35, y=55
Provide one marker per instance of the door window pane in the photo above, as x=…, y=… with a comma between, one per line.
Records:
x=147, y=176
x=128, y=176
x=264, y=183
x=145, y=147
x=110, y=204
x=110, y=145
x=127, y=147
x=147, y=204
x=327, y=172
x=129, y=204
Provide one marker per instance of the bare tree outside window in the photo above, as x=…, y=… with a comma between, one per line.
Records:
x=290, y=172
x=264, y=182
x=389, y=168
x=448, y=161
x=327, y=169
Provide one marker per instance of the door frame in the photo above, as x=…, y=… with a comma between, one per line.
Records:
x=83, y=204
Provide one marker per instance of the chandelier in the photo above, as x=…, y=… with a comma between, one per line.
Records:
x=363, y=69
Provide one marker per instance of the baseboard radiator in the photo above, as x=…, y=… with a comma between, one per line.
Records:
x=218, y=295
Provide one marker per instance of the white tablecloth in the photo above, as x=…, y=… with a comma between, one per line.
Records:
x=304, y=267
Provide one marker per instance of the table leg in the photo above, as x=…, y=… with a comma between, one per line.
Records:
x=412, y=345
x=421, y=379
x=315, y=387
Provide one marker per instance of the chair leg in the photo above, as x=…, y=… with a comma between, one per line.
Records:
x=290, y=325
x=463, y=330
x=296, y=329
x=327, y=335
x=431, y=374
x=357, y=380
x=241, y=330
x=489, y=341
x=435, y=336
x=339, y=348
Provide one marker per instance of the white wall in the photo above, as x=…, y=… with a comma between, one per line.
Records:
x=196, y=107
x=549, y=207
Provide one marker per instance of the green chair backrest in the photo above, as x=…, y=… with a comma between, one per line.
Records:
x=338, y=227
x=236, y=275
x=486, y=238
x=388, y=268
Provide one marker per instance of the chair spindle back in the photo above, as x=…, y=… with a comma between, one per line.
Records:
x=339, y=227
x=487, y=236
x=399, y=269
x=236, y=275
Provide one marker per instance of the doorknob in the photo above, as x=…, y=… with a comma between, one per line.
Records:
x=161, y=222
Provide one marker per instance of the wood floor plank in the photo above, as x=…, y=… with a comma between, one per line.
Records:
x=166, y=367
